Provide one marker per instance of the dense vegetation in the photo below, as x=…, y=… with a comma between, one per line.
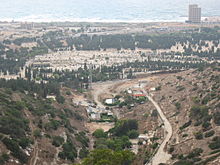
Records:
x=108, y=157
x=23, y=110
x=111, y=147
x=79, y=79
x=30, y=86
x=16, y=58
x=154, y=42
x=123, y=127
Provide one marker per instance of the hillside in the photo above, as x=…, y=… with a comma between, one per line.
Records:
x=191, y=102
x=35, y=130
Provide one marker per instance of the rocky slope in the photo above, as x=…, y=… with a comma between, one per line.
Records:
x=191, y=102
x=34, y=130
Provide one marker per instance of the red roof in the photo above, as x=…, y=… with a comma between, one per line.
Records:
x=139, y=95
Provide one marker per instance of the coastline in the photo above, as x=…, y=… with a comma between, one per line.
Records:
x=215, y=19
x=88, y=20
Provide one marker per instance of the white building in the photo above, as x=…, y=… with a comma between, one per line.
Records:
x=52, y=97
x=143, y=137
x=95, y=116
x=110, y=101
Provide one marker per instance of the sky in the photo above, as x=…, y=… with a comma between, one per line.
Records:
x=103, y=9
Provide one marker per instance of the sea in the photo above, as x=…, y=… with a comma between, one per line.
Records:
x=103, y=10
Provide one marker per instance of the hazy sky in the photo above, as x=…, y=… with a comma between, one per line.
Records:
x=105, y=9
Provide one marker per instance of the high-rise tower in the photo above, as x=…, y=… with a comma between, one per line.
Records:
x=194, y=14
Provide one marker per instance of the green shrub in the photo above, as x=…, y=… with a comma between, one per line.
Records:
x=199, y=135
x=122, y=127
x=69, y=151
x=197, y=123
x=155, y=145
x=158, y=88
x=57, y=141
x=133, y=134
x=109, y=157
x=186, y=125
x=171, y=149
x=116, y=143
x=210, y=133
x=24, y=142
x=83, y=153
x=196, y=152
x=179, y=77
x=4, y=158
x=81, y=137
x=198, y=111
x=154, y=113
x=77, y=116
x=185, y=135
x=60, y=99
x=52, y=125
x=206, y=125
x=37, y=133
x=68, y=93
x=99, y=133
x=215, y=143
x=206, y=99
x=178, y=105
x=16, y=151
x=196, y=100
x=216, y=117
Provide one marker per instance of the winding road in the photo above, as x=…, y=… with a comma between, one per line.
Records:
x=161, y=156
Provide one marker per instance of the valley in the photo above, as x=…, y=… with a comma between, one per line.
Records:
x=114, y=94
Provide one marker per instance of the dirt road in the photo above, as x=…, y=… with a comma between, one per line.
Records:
x=100, y=88
x=97, y=90
x=35, y=156
x=161, y=156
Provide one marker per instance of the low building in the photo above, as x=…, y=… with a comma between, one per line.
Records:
x=110, y=101
x=95, y=116
x=152, y=89
x=52, y=97
x=110, y=114
x=129, y=91
x=89, y=110
x=143, y=137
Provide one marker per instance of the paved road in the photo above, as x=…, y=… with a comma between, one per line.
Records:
x=161, y=156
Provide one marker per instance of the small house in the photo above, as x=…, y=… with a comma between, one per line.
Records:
x=95, y=116
x=152, y=89
x=52, y=97
x=110, y=101
x=110, y=114
x=143, y=137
